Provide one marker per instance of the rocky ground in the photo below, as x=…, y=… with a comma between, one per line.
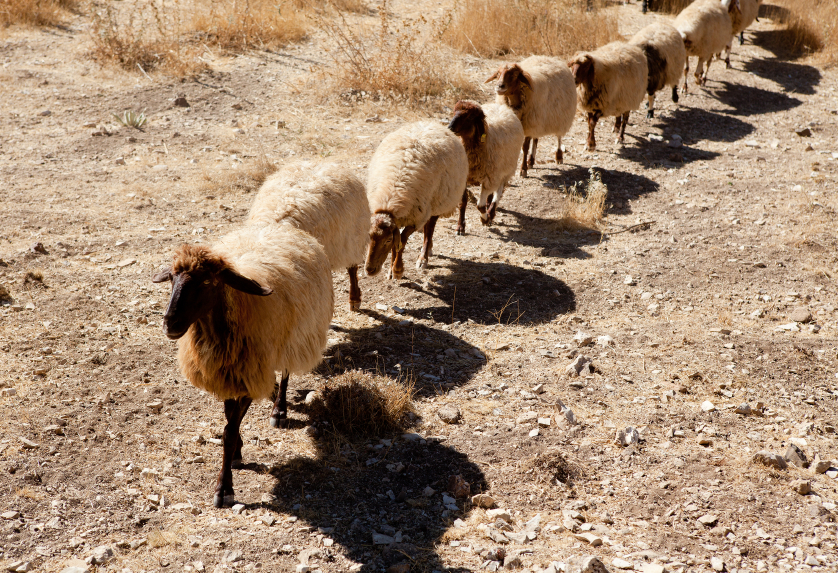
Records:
x=661, y=394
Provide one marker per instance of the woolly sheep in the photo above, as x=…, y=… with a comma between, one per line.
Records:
x=665, y=58
x=258, y=301
x=541, y=92
x=417, y=174
x=326, y=201
x=492, y=136
x=611, y=80
x=706, y=27
x=740, y=19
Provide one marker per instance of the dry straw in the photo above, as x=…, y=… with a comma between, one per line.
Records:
x=490, y=28
x=35, y=12
x=584, y=205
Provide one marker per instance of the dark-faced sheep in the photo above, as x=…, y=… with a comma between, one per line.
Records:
x=611, y=80
x=326, y=201
x=541, y=92
x=417, y=174
x=492, y=137
x=257, y=302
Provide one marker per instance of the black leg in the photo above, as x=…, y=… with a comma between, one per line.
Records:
x=354, y=289
x=234, y=411
x=675, y=94
x=526, y=149
x=531, y=162
x=461, y=222
x=279, y=414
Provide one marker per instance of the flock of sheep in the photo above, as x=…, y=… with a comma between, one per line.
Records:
x=260, y=300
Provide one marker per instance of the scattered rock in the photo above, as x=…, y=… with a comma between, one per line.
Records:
x=583, y=339
x=800, y=314
x=181, y=102
x=458, y=486
x=801, y=486
x=708, y=520
x=627, y=437
x=622, y=563
x=580, y=365
x=589, y=538
x=28, y=444
x=483, y=500
x=526, y=418
x=100, y=555
x=585, y=564
x=19, y=566
x=803, y=132
x=381, y=539
x=544, y=422
x=75, y=566
x=604, y=340
x=717, y=564
x=629, y=281
x=771, y=460
x=796, y=456
x=449, y=413
x=744, y=409
x=820, y=466
x=707, y=406
x=10, y=515
x=499, y=514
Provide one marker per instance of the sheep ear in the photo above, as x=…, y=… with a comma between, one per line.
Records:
x=526, y=79
x=162, y=276
x=494, y=76
x=241, y=283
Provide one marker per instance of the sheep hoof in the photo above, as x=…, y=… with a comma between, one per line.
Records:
x=354, y=305
x=421, y=264
x=236, y=464
x=650, y=114
x=397, y=275
x=523, y=173
x=460, y=231
x=221, y=500
x=279, y=421
x=727, y=64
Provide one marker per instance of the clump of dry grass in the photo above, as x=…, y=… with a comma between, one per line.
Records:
x=551, y=467
x=357, y=404
x=584, y=205
x=489, y=28
x=400, y=61
x=248, y=178
x=244, y=24
x=805, y=28
x=35, y=12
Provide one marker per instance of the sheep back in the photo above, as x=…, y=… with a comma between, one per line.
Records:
x=325, y=200
x=749, y=10
x=417, y=172
x=254, y=336
x=705, y=27
x=497, y=160
x=665, y=54
x=549, y=106
x=618, y=81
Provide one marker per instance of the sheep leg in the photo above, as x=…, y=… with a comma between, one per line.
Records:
x=651, y=113
x=698, y=71
x=526, y=149
x=461, y=222
x=675, y=94
x=398, y=264
x=493, y=206
x=559, y=154
x=741, y=37
x=427, y=247
x=354, y=289
x=593, y=118
x=686, y=73
x=727, y=53
x=279, y=414
x=531, y=162
x=622, y=137
x=234, y=411
x=244, y=404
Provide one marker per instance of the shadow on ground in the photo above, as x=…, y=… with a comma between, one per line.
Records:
x=623, y=187
x=749, y=100
x=696, y=124
x=794, y=78
x=353, y=493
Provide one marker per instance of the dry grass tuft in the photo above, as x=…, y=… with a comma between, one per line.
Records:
x=551, y=467
x=244, y=24
x=246, y=179
x=395, y=61
x=357, y=404
x=805, y=28
x=584, y=205
x=35, y=12
x=490, y=28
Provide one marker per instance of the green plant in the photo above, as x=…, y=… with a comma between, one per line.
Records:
x=130, y=118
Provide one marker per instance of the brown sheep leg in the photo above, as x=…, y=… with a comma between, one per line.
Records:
x=623, y=127
x=707, y=69
x=593, y=118
x=559, y=154
x=686, y=74
x=461, y=222
x=428, y=246
x=234, y=411
x=279, y=414
x=398, y=264
x=526, y=149
x=699, y=67
x=531, y=162
x=617, y=121
x=354, y=289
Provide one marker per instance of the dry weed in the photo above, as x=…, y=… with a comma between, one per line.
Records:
x=359, y=404
x=243, y=24
x=489, y=28
x=585, y=204
x=550, y=466
x=806, y=28
x=248, y=178
x=35, y=12
x=399, y=61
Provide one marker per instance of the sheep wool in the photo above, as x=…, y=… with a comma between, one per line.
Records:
x=325, y=200
x=665, y=58
x=417, y=172
x=706, y=29
x=238, y=351
x=740, y=18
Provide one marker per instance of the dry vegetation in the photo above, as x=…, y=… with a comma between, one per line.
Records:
x=249, y=177
x=584, y=206
x=243, y=24
x=806, y=31
x=490, y=28
x=35, y=12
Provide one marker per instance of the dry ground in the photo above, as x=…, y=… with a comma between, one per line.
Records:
x=741, y=233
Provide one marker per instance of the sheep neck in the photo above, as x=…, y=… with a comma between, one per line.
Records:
x=475, y=153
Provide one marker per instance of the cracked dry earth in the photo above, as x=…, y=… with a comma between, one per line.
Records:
x=726, y=297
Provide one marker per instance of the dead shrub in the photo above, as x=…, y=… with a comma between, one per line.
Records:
x=551, y=467
x=399, y=61
x=246, y=179
x=804, y=28
x=35, y=12
x=490, y=28
x=243, y=24
x=358, y=404
x=584, y=204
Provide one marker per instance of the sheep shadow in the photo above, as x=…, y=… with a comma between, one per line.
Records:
x=696, y=124
x=354, y=492
x=794, y=78
x=495, y=293
x=432, y=357
x=750, y=100
x=623, y=187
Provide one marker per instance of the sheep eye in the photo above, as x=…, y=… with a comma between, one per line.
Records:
x=206, y=282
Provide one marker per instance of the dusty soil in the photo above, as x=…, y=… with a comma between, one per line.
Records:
x=741, y=234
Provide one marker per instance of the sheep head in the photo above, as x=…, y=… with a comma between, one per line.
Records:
x=384, y=235
x=469, y=122
x=511, y=79
x=197, y=275
x=582, y=68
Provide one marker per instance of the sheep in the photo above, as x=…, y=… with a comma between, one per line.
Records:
x=611, y=80
x=741, y=18
x=542, y=94
x=258, y=301
x=706, y=27
x=492, y=136
x=417, y=174
x=328, y=202
x=665, y=58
